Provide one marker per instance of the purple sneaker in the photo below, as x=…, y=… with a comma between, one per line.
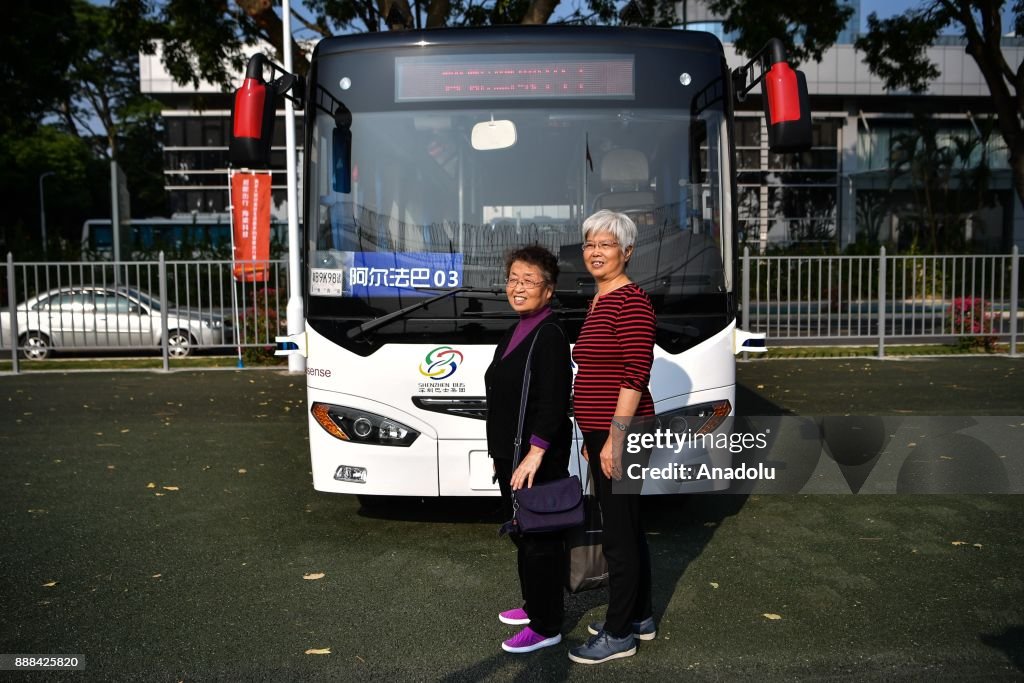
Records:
x=516, y=617
x=529, y=640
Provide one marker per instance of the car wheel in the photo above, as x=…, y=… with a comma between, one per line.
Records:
x=180, y=344
x=35, y=346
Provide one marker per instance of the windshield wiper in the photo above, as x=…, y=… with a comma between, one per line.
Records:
x=370, y=325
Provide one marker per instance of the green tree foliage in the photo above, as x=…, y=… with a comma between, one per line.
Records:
x=105, y=101
x=894, y=49
x=71, y=98
x=206, y=40
x=806, y=28
x=203, y=40
x=36, y=44
x=77, y=186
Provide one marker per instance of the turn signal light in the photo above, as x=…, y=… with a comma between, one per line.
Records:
x=702, y=418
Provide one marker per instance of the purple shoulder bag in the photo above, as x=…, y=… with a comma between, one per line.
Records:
x=553, y=505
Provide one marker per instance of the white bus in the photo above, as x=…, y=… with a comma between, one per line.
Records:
x=430, y=154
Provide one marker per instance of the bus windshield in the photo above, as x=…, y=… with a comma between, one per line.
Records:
x=406, y=207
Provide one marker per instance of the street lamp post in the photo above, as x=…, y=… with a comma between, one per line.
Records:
x=42, y=208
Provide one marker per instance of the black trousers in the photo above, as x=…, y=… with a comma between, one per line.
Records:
x=542, y=564
x=625, y=548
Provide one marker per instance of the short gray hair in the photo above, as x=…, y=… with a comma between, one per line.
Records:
x=618, y=224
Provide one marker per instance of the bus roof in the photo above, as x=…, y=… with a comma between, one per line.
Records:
x=549, y=36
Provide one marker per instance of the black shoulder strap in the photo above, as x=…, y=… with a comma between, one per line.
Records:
x=526, y=391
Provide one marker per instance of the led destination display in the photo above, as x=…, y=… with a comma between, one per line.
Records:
x=512, y=76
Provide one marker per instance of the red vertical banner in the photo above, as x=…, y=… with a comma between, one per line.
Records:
x=250, y=207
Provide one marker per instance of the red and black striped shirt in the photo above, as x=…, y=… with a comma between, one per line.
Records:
x=615, y=349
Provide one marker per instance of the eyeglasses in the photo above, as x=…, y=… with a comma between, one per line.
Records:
x=603, y=246
x=514, y=282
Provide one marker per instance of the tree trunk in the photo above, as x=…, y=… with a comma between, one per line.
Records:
x=1008, y=103
x=437, y=13
x=539, y=11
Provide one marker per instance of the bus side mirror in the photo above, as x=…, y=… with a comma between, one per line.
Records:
x=252, y=119
x=786, y=109
x=252, y=115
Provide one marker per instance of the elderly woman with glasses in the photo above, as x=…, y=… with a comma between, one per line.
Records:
x=614, y=354
x=530, y=274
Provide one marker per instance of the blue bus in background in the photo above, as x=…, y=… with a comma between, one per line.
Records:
x=193, y=236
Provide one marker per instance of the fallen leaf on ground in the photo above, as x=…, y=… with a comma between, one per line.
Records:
x=314, y=577
x=714, y=584
x=125, y=431
x=171, y=488
x=50, y=584
x=150, y=485
x=242, y=471
x=159, y=494
x=977, y=545
x=156, y=576
x=773, y=617
x=320, y=651
x=959, y=543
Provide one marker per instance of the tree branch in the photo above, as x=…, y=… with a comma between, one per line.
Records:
x=261, y=13
x=310, y=25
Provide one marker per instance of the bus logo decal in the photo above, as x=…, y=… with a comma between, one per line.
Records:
x=441, y=363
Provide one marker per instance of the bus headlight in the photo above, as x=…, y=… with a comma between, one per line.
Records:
x=702, y=418
x=360, y=426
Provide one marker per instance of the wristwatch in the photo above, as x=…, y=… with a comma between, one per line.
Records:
x=620, y=426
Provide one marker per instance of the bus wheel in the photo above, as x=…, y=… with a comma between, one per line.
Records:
x=180, y=344
x=35, y=346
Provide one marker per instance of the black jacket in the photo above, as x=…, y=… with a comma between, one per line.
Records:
x=547, y=407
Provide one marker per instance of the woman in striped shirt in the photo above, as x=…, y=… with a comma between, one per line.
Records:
x=614, y=354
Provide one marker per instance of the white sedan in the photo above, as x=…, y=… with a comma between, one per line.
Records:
x=106, y=318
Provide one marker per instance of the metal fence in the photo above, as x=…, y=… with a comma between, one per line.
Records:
x=178, y=308
x=808, y=300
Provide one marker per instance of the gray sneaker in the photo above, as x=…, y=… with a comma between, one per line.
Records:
x=602, y=648
x=642, y=630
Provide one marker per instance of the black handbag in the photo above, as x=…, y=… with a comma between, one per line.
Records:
x=552, y=505
x=587, y=566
